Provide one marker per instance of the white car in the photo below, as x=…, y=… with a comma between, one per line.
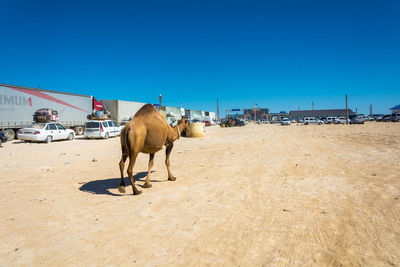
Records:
x=262, y=121
x=101, y=129
x=312, y=120
x=45, y=132
x=330, y=120
x=341, y=120
x=285, y=121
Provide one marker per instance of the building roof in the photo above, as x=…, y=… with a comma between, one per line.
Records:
x=396, y=107
x=320, y=112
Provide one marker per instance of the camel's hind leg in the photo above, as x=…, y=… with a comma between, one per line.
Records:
x=121, y=187
x=132, y=159
x=167, y=153
x=147, y=183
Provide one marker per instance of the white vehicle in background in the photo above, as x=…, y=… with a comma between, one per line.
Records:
x=330, y=120
x=45, y=132
x=101, y=129
x=285, y=121
x=341, y=120
x=312, y=120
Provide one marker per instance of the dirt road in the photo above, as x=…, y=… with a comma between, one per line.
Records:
x=257, y=195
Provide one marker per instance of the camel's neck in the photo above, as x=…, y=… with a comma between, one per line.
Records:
x=175, y=133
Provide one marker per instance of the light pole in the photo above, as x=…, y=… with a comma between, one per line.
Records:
x=160, y=98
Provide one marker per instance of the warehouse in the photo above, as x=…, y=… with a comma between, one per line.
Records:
x=300, y=114
x=395, y=110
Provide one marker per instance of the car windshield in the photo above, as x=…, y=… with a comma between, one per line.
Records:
x=37, y=125
x=92, y=124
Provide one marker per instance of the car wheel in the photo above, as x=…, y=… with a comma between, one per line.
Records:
x=306, y=123
x=70, y=136
x=48, y=139
x=79, y=130
x=10, y=134
x=0, y=142
x=106, y=136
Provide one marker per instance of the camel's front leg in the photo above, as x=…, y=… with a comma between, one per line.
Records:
x=167, y=153
x=147, y=183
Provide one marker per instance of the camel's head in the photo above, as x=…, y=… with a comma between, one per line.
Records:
x=184, y=124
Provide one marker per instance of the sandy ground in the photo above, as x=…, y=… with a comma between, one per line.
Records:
x=257, y=195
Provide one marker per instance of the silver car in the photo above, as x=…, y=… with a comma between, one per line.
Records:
x=312, y=120
x=285, y=121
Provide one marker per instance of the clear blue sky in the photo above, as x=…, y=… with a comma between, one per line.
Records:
x=278, y=54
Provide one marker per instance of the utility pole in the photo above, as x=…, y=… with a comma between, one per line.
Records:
x=160, y=98
x=347, y=112
x=254, y=110
x=313, y=105
x=217, y=109
x=370, y=111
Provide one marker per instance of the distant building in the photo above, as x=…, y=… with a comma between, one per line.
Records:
x=395, y=109
x=273, y=117
x=195, y=114
x=256, y=113
x=172, y=112
x=210, y=116
x=299, y=114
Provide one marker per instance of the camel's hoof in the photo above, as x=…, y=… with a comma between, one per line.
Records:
x=137, y=192
x=121, y=189
x=171, y=178
x=147, y=185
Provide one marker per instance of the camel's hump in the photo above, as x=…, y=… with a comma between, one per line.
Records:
x=146, y=110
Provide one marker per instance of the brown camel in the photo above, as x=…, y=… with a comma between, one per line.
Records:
x=147, y=132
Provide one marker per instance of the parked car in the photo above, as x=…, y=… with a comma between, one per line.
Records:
x=365, y=118
x=357, y=120
x=330, y=120
x=285, y=121
x=341, y=120
x=207, y=123
x=45, y=132
x=396, y=117
x=379, y=118
x=3, y=138
x=101, y=129
x=391, y=117
x=239, y=122
x=312, y=120
x=387, y=118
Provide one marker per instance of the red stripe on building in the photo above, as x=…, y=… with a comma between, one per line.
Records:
x=47, y=97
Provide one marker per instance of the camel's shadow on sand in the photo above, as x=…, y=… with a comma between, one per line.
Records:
x=102, y=187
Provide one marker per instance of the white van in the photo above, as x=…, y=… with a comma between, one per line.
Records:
x=312, y=120
x=330, y=120
x=101, y=129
